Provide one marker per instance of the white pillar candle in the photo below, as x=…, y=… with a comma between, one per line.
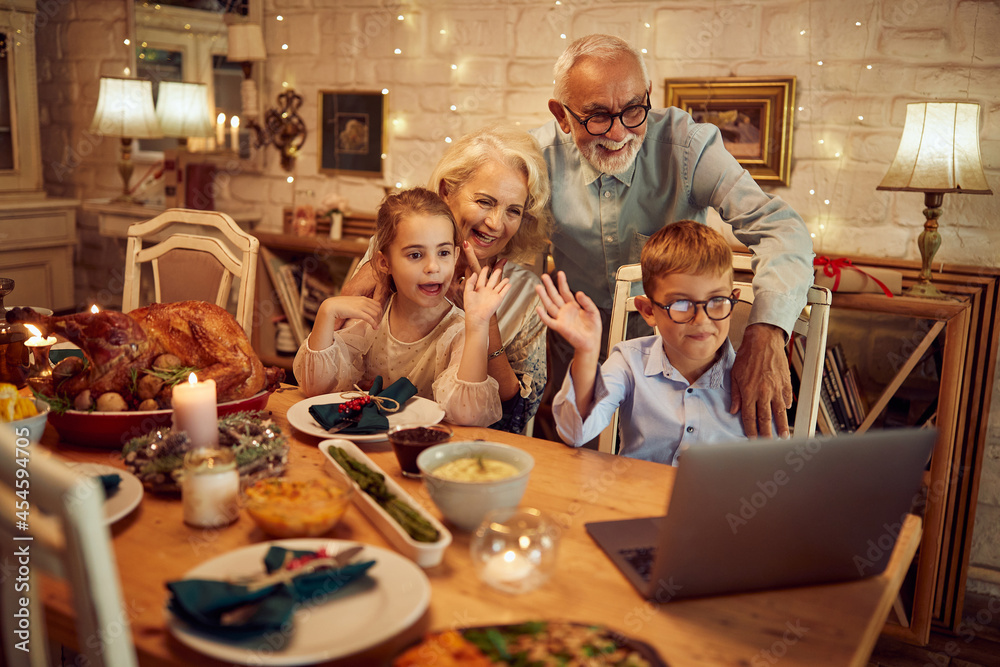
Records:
x=220, y=131
x=195, y=411
x=234, y=133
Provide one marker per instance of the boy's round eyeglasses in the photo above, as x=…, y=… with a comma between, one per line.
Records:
x=683, y=311
x=599, y=123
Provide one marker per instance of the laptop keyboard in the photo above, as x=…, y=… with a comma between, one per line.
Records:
x=641, y=558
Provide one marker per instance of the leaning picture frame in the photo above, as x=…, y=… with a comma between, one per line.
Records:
x=754, y=115
x=352, y=132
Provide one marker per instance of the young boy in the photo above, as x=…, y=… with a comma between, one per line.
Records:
x=673, y=388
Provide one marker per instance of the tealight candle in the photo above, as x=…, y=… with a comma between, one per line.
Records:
x=506, y=568
x=195, y=411
x=514, y=549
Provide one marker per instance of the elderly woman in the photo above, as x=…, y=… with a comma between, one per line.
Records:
x=496, y=184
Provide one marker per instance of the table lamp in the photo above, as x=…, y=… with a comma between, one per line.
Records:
x=125, y=109
x=246, y=46
x=938, y=153
x=182, y=110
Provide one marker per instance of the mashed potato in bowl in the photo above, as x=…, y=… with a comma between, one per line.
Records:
x=475, y=469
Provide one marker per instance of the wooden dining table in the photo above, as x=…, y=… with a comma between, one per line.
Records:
x=832, y=624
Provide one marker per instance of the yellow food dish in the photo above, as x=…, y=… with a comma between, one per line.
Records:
x=476, y=469
x=297, y=508
x=14, y=406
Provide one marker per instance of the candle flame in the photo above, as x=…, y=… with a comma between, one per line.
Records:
x=35, y=331
x=94, y=309
x=234, y=121
x=221, y=119
x=192, y=379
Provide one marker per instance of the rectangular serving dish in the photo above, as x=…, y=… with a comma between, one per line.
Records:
x=424, y=554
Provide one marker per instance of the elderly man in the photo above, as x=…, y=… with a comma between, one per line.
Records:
x=620, y=171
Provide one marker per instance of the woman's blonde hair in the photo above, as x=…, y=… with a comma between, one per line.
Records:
x=685, y=246
x=517, y=150
x=396, y=207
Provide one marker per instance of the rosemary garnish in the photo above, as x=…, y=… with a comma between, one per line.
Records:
x=171, y=376
x=58, y=404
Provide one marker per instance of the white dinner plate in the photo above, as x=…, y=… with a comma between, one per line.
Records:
x=327, y=630
x=123, y=501
x=417, y=411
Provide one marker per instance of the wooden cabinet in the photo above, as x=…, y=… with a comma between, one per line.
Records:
x=268, y=306
x=37, y=241
x=924, y=359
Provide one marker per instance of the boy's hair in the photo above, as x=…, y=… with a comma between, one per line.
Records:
x=415, y=201
x=685, y=246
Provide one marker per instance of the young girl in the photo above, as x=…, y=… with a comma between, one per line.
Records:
x=421, y=335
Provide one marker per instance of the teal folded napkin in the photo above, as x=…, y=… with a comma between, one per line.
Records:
x=372, y=418
x=235, y=611
x=109, y=483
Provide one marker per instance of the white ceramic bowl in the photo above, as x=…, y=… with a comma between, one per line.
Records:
x=35, y=426
x=466, y=503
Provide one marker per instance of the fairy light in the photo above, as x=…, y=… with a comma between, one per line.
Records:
x=454, y=66
x=447, y=140
x=399, y=184
x=647, y=25
x=812, y=192
x=284, y=47
x=385, y=91
x=279, y=17
x=562, y=35
x=400, y=18
x=453, y=107
x=127, y=41
x=645, y=51
x=802, y=32
x=290, y=179
x=857, y=23
x=826, y=201
x=384, y=156
x=127, y=71
x=837, y=154
x=822, y=141
x=861, y=117
x=801, y=108
x=442, y=31
x=868, y=66
x=397, y=51
x=819, y=62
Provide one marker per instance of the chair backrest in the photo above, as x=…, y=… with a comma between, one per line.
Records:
x=812, y=321
x=64, y=515
x=195, y=255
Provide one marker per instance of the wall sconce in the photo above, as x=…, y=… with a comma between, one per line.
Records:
x=125, y=109
x=283, y=127
x=246, y=46
x=938, y=153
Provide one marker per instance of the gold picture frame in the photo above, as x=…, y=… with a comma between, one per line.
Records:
x=352, y=133
x=754, y=114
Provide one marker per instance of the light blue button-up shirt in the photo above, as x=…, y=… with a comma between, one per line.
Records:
x=602, y=221
x=660, y=410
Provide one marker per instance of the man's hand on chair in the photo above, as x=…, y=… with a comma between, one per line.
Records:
x=762, y=384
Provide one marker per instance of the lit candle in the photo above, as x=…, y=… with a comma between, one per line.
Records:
x=210, y=488
x=507, y=568
x=195, y=411
x=220, y=131
x=234, y=133
x=36, y=339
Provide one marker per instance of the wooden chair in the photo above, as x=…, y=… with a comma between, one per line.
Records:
x=190, y=262
x=69, y=539
x=813, y=321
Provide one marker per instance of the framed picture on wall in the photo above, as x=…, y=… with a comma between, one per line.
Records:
x=754, y=115
x=352, y=132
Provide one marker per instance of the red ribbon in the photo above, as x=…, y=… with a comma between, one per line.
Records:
x=832, y=267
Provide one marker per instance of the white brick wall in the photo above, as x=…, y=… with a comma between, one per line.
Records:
x=919, y=50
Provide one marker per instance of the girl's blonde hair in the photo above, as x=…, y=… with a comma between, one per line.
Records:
x=517, y=150
x=396, y=207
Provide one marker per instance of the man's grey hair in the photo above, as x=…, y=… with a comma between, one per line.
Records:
x=606, y=47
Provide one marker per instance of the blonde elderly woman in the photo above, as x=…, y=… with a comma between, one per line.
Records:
x=496, y=184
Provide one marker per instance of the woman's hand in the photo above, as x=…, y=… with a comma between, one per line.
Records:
x=483, y=293
x=576, y=319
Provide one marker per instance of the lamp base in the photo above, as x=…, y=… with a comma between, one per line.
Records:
x=927, y=290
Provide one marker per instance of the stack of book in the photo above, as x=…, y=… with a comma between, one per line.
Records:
x=842, y=405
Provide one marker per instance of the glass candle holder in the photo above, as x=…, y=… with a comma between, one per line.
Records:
x=210, y=488
x=514, y=550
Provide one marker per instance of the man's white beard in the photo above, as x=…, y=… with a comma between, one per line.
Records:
x=613, y=164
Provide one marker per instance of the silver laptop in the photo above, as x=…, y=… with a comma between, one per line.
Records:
x=770, y=514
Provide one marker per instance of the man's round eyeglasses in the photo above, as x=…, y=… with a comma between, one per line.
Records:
x=683, y=311
x=599, y=123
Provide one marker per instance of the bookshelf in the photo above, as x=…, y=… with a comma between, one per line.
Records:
x=936, y=357
x=272, y=296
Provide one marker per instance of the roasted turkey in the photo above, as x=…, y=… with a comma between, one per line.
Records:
x=120, y=347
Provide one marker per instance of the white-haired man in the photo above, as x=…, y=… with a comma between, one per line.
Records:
x=620, y=171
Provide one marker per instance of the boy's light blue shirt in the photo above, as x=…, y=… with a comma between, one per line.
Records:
x=660, y=410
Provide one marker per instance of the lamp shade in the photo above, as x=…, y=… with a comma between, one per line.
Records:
x=939, y=150
x=125, y=109
x=246, y=43
x=182, y=109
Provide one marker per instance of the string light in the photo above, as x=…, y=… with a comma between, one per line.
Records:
x=645, y=51
x=397, y=51
x=454, y=66
x=453, y=107
x=826, y=201
x=385, y=91
x=400, y=17
x=819, y=62
x=447, y=140
x=562, y=36
x=398, y=184
x=868, y=66
x=279, y=17
x=822, y=141
x=647, y=25
x=812, y=192
x=443, y=31
x=284, y=47
x=857, y=23
x=861, y=117
x=802, y=32
x=127, y=41
x=290, y=179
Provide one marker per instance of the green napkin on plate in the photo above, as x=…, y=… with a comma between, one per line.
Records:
x=238, y=611
x=109, y=483
x=372, y=418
